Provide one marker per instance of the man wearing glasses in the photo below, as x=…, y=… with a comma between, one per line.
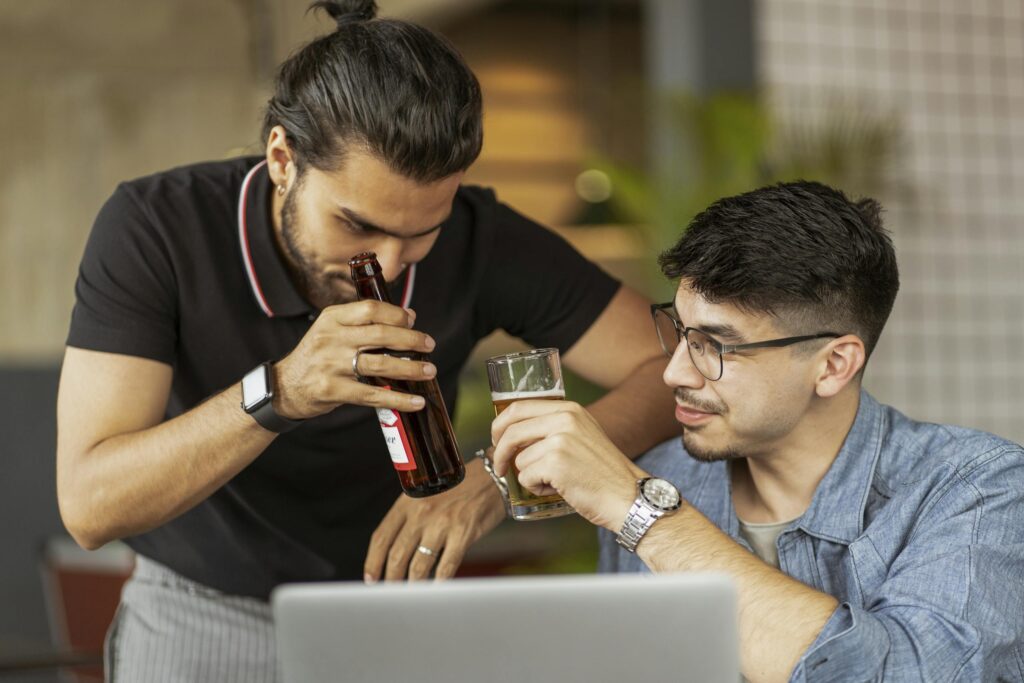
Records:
x=864, y=545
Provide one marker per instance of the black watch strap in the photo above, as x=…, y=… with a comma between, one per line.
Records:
x=268, y=418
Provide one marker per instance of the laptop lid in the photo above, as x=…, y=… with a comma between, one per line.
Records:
x=592, y=628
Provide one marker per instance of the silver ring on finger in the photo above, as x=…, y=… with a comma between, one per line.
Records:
x=424, y=550
x=355, y=365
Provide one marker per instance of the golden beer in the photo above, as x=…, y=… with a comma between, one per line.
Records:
x=518, y=496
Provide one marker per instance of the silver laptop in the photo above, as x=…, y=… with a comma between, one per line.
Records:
x=592, y=628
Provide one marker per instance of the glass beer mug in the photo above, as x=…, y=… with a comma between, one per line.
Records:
x=527, y=375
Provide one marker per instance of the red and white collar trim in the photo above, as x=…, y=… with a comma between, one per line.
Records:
x=243, y=238
x=250, y=270
x=410, y=282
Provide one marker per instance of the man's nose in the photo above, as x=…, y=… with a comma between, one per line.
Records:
x=389, y=256
x=681, y=372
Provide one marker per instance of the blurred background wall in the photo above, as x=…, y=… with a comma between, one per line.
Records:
x=921, y=103
x=953, y=75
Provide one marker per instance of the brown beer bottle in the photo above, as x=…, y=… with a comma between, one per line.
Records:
x=422, y=443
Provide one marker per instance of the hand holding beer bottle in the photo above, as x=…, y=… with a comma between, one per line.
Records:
x=422, y=444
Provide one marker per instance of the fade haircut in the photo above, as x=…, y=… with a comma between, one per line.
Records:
x=800, y=252
x=393, y=88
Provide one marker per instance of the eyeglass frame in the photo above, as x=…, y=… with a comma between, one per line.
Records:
x=683, y=332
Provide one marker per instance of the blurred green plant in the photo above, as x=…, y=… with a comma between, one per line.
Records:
x=473, y=410
x=730, y=143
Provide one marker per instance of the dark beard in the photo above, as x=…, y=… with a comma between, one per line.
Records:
x=303, y=269
x=702, y=455
x=686, y=397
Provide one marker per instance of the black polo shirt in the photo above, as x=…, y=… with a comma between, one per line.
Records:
x=182, y=267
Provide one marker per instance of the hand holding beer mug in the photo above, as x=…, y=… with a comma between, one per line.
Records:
x=529, y=375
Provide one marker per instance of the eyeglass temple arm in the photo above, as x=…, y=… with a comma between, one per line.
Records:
x=727, y=348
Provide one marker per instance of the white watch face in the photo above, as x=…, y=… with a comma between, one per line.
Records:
x=661, y=494
x=254, y=388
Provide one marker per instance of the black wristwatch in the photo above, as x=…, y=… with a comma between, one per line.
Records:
x=258, y=399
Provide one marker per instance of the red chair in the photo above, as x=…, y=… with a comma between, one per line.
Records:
x=83, y=589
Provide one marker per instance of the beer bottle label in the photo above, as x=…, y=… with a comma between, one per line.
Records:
x=396, y=439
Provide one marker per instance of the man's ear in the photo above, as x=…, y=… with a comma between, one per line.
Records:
x=841, y=360
x=280, y=158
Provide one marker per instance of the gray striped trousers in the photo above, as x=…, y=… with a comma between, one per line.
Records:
x=169, y=629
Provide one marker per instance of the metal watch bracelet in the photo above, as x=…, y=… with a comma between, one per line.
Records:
x=498, y=481
x=638, y=521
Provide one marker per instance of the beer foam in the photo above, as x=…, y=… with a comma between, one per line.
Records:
x=526, y=395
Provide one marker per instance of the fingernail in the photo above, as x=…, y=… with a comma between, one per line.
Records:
x=417, y=402
x=368, y=579
x=429, y=343
x=429, y=370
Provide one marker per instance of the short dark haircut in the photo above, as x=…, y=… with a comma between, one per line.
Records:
x=398, y=90
x=801, y=252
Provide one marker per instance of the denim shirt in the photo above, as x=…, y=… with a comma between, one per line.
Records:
x=917, y=530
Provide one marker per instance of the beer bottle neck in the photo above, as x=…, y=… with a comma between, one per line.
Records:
x=373, y=288
x=368, y=278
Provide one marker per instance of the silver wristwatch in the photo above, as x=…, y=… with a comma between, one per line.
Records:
x=655, y=498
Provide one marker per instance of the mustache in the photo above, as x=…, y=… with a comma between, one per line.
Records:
x=686, y=397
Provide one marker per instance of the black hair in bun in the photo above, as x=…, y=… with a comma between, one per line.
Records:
x=347, y=11
x=391, y=87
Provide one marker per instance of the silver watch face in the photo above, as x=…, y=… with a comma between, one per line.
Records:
x=661, y=494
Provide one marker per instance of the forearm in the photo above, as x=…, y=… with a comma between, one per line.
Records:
x=134, y=482
x=779, y=617
x=638, y=413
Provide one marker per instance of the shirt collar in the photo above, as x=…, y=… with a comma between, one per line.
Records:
x=269, y=280
x=837, y=509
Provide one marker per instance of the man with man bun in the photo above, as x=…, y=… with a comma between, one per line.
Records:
x=198, y=277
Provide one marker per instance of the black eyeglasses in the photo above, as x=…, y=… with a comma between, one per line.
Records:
x=705, y=351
